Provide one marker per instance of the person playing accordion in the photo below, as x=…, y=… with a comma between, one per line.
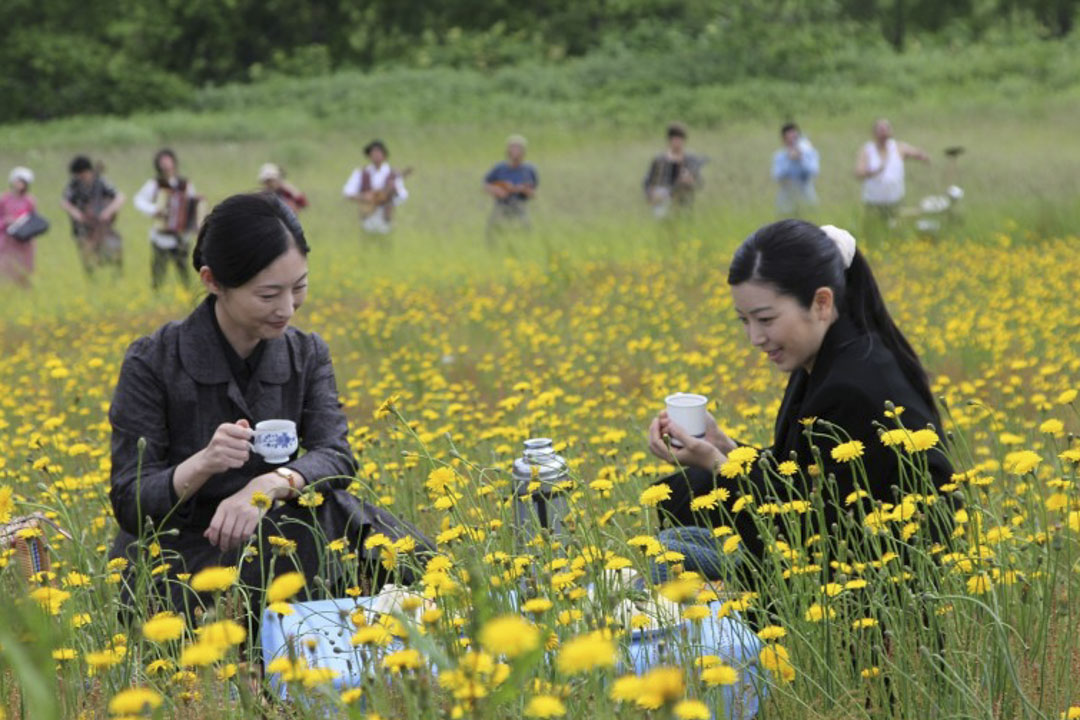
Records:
x=174, y=205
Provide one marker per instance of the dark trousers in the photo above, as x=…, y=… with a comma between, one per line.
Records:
x=161, y=258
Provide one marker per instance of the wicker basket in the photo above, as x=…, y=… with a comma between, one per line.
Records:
x=31, y=551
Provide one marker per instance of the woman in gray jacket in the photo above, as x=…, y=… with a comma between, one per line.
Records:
x=184, y=475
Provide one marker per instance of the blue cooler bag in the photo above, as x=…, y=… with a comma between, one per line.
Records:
x=728, y=638
x=321, y=632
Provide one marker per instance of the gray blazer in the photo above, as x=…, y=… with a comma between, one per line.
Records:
x=176, y=388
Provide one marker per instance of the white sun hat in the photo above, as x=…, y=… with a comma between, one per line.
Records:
x=21, y=173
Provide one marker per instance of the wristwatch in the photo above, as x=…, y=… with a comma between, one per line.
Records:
x=292, y=477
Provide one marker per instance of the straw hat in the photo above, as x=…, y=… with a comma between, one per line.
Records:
x=269, y=171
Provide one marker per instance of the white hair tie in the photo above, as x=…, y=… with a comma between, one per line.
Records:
x=845, y=242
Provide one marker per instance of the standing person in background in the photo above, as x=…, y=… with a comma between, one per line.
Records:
x=92, y=202
x=173, y=204
x=17, y=256
x=378, y=188
x=794, y=168
x=880, y=167
x=674, y=176
x=272, y=178
x=513, y=184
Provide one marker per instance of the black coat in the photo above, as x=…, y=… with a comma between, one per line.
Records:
x=854, y=375
x=175, y=388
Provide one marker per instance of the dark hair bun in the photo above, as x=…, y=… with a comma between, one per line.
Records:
x=243, y=235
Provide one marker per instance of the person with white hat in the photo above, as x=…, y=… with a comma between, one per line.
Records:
x=17, y=254
x=272, y=178
x=513, y=184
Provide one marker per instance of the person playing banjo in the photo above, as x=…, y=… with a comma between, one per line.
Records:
x=378, y=188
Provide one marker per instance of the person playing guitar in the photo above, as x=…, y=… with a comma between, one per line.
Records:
x=674, y=176
x=92, y=203
x=378, y=189
x=512, y=184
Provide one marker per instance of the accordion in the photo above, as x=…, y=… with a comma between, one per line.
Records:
x=180, y=210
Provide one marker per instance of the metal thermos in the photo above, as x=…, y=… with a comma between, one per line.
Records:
x=546, y=506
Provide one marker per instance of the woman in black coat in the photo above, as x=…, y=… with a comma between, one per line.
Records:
x=185, y=478
x=810, y=302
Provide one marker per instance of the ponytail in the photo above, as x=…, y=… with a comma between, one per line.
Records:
x=866, y=308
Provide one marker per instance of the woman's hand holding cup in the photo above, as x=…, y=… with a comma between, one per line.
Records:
x=703, y=452
x=228, y=449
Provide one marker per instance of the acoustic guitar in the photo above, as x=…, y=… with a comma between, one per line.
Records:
x=506, y=186
x=384, y=196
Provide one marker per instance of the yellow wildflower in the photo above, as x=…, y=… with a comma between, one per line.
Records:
x=545, y=706
x=135, y=701
x=586, y=652
x=214, y=579
x=509, y=635
x=285, y=586
x=163, y=627
x=846, y=452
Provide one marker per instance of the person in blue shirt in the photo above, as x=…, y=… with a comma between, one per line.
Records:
x=794, y=168
x=513, y=184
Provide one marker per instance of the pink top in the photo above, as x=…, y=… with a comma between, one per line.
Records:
x=13, y=207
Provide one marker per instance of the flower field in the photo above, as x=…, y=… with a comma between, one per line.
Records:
x=442, y=380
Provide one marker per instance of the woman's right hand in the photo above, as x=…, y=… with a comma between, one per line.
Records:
x=701, y=452
x=229, y=449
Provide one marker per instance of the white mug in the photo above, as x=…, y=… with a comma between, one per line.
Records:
x=687, y=410
x=275, y=440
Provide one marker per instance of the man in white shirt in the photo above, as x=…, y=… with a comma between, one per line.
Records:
x=173, y=204
x=880, y=167
x=378, y=188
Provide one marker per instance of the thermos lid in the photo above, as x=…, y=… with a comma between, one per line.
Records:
x=539, y=454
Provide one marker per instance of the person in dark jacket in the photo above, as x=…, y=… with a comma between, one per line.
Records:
x=809, y=301
x=185, y=478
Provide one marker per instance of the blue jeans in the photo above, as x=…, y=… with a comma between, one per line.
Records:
x=701, y=552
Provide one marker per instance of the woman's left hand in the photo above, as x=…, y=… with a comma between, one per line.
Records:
x=237, y=517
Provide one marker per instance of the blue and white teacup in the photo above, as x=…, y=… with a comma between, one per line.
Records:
x=275, y=440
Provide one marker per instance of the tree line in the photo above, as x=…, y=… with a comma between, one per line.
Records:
x=63, y=57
